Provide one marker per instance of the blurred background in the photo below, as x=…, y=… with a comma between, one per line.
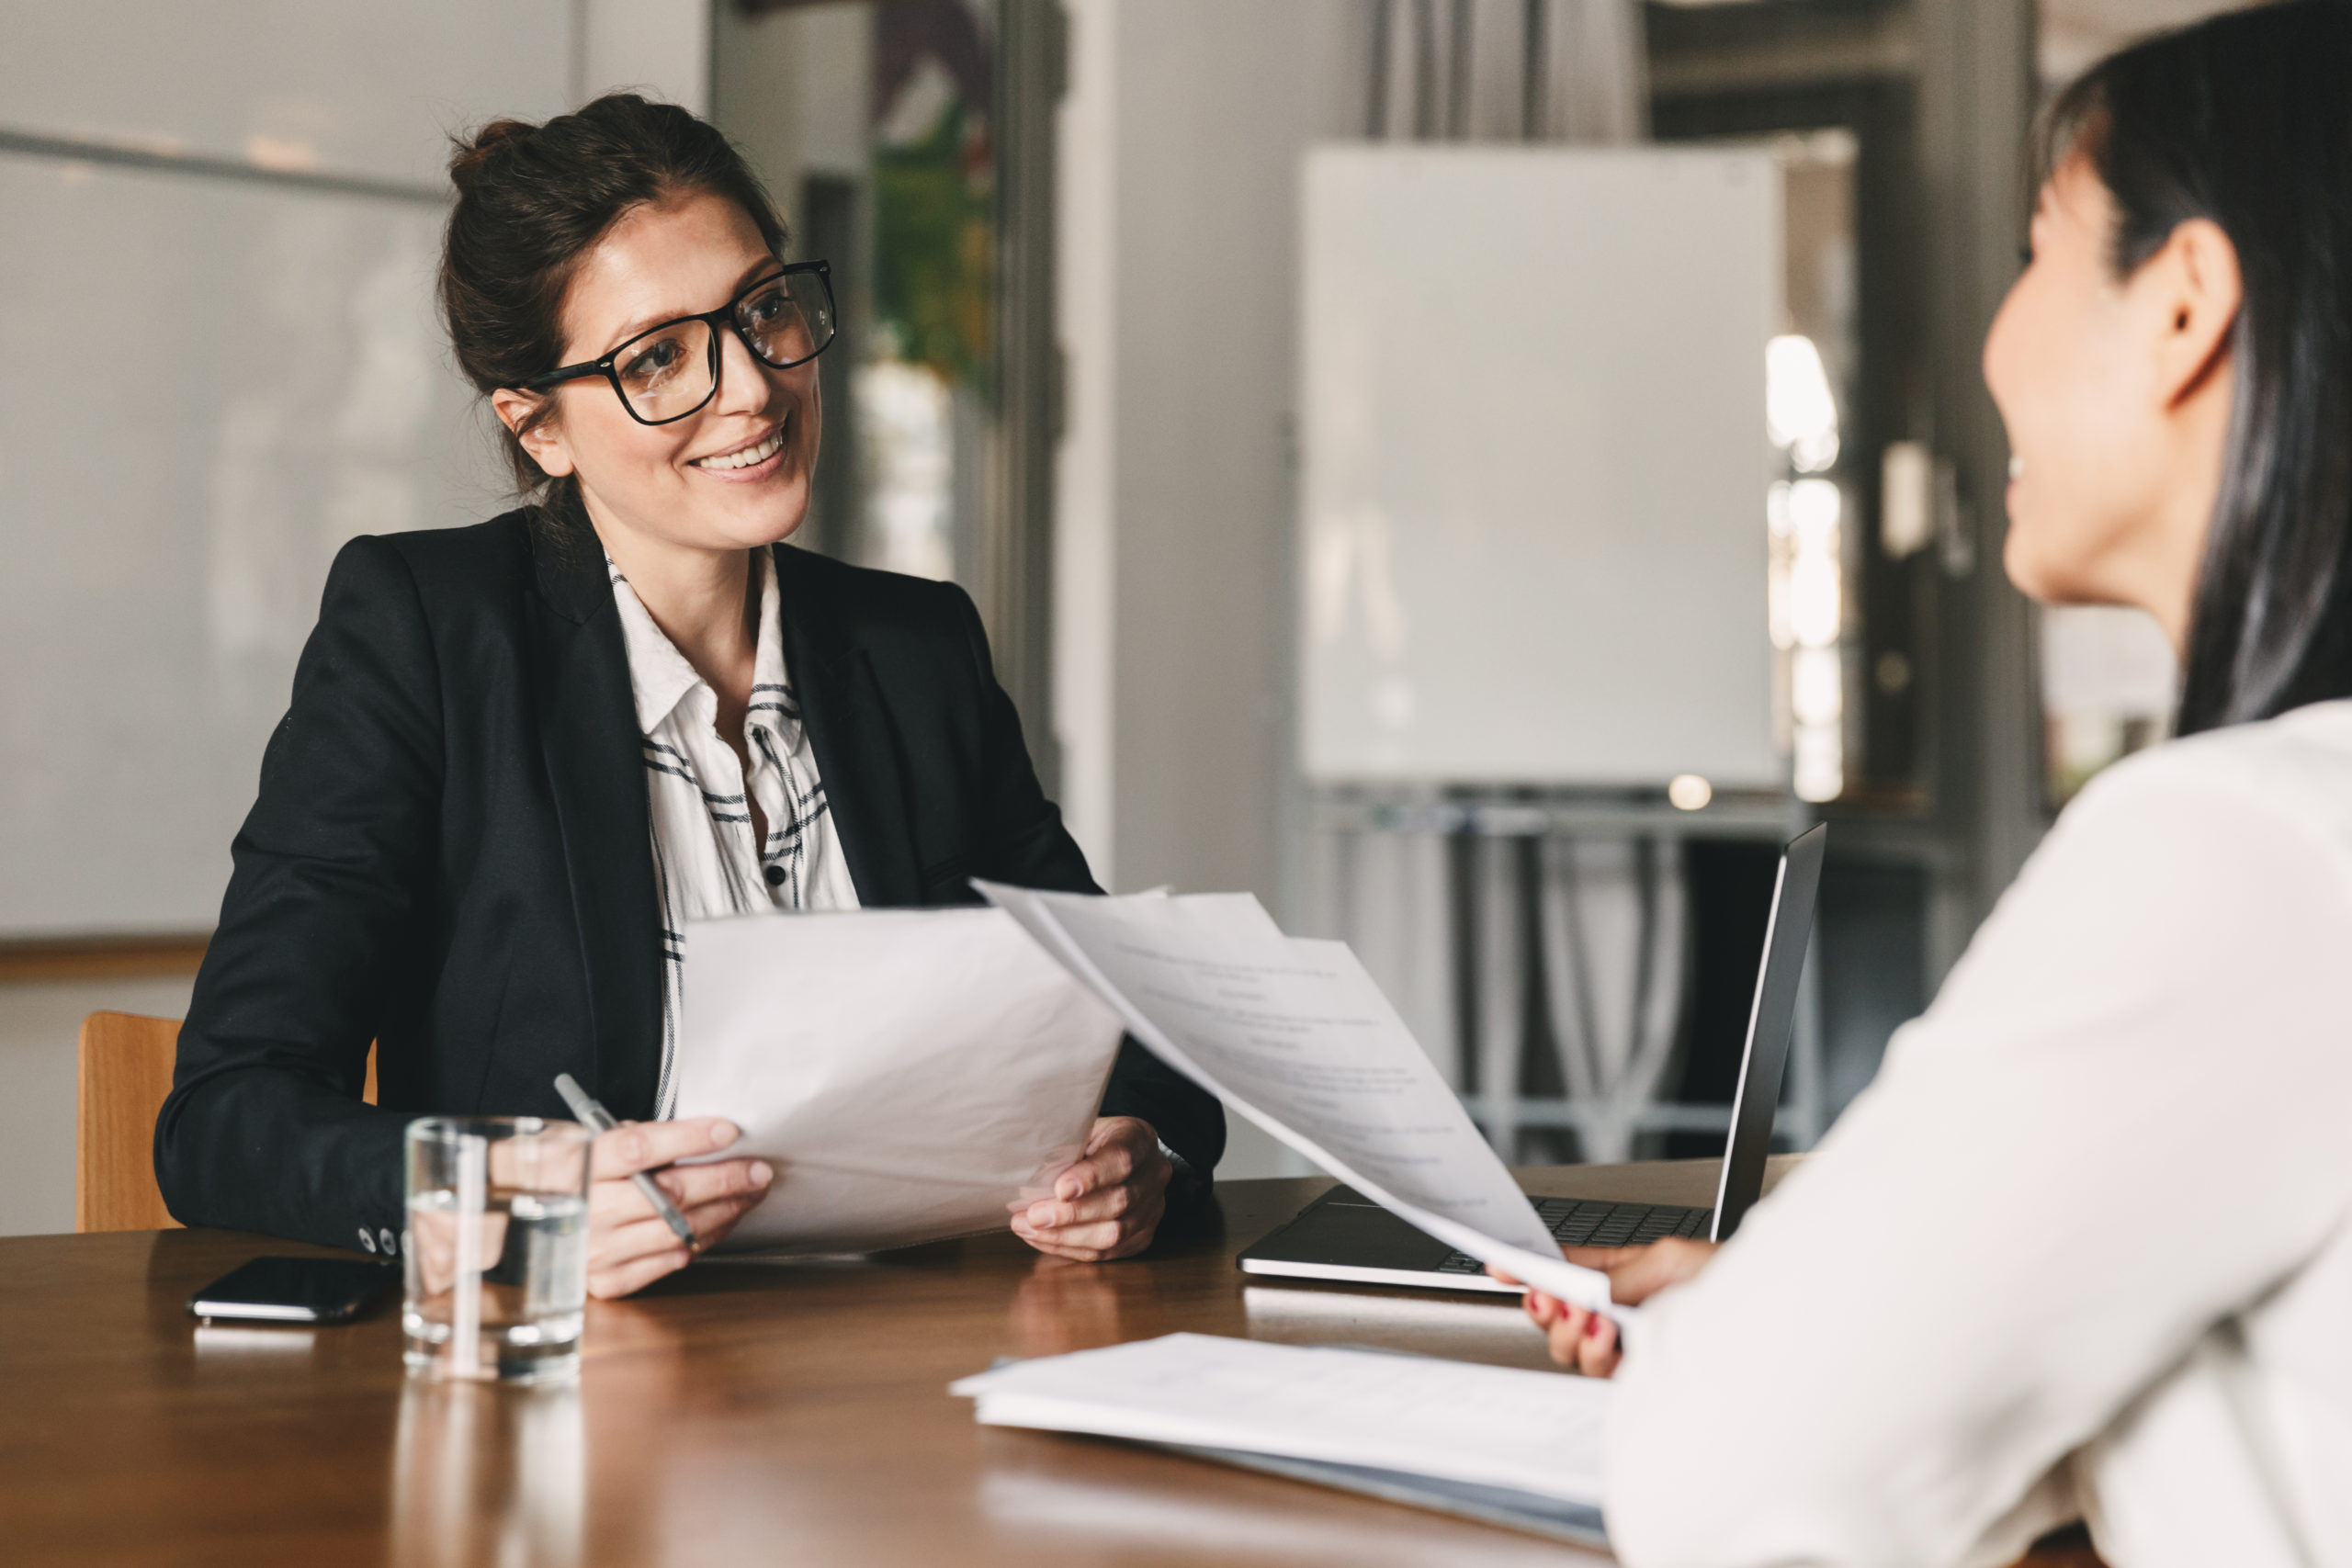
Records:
x=1477, y=473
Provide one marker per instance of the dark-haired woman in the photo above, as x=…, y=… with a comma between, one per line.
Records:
x=520, y=755
x=2085, y=1248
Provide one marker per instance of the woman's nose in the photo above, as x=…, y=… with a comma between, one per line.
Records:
x=744, y=386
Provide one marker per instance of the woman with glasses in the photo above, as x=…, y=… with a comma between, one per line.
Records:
x=521, y=755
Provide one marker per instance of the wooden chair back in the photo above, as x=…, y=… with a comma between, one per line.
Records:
x=124, y=1074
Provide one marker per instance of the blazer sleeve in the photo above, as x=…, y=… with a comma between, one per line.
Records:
x=1024, y=843
x=2118, y=1127
x=264, y=1129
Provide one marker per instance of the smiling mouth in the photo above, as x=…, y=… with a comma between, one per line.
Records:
x=758, y=452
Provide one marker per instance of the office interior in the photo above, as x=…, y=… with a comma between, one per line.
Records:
x=1081, y=275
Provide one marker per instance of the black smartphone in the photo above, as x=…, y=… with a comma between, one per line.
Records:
x=296, y=1290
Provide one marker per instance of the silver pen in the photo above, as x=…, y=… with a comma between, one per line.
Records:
x=596, y=1119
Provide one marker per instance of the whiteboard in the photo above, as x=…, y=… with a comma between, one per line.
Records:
x=213, y=385
x=1534, y=464
x=341, y=86
x=215, y=381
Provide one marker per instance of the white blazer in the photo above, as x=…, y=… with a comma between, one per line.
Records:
x=2083, y=1247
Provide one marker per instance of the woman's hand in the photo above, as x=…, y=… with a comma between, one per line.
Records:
x=1109, y=1203
x=628, y=1246
x=1586, y=1341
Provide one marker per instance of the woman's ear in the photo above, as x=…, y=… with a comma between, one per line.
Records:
x=544, y=441
x=2195, y=286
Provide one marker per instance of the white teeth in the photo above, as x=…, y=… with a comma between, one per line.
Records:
x=2017, y=468
x=749, y=456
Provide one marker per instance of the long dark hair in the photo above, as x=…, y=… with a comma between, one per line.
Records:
x=2246, y=119
x=532, y=199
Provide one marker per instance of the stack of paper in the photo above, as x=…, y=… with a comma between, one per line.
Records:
x=1536, y=1434
x=910, y=1074
x=1294, y=1035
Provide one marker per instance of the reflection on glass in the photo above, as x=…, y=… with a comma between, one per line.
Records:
x=488, y=1474
x=1799, y=412
x=1805, y=589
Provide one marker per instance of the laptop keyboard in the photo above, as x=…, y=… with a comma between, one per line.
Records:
x=1575, y=1224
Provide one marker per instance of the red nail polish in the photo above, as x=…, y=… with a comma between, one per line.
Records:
x=1592, y=1328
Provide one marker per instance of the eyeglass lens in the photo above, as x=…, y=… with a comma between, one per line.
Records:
x=667, y=373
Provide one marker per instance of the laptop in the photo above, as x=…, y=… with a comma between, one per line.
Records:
x=1344, y=1236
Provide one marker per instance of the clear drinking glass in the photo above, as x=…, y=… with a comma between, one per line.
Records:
x=497, y=1247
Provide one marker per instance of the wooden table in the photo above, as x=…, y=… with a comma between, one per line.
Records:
x=751, y=1413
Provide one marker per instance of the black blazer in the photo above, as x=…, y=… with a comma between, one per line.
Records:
x=451, y=855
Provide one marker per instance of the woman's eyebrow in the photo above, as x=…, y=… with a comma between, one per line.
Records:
x=649, y=321
x=764, y=266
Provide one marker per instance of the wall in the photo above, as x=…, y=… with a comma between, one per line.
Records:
x=1181, y=158
x=660, y=47
x=1179, y=162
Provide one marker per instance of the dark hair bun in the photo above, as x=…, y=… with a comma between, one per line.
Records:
x=471, y=154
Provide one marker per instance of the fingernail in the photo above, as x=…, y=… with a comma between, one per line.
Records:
x=761, y=1172
x=1592, y=1329
x=722, y=1134
x=1066, y=1189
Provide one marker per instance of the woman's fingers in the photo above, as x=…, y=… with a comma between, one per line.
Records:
x=1098, y=1241
x=1604, y=1258
x=631, y=1239
x=615, y=1200
x=712, y=1220
x=1585, y=1340
x=1107, y=1204
x=636, y=1239
x=1092, y=1248
x=1115, y=1151
x=1649, y=1269
x=1564, y=1333
x=1597, y=1353
x=646, y=1146
x=689, y=1185
x=1637, y=1273
x=627, y=1277
x=626, y=1238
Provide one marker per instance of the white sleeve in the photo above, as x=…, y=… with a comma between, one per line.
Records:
x=2122, y=1121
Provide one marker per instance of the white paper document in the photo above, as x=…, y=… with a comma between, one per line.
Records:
x=910, y=1074
x=1293, y=1034
x=1535, y=1432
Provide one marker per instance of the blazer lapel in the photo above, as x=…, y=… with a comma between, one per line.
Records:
x=849, y=732
x=597, y=775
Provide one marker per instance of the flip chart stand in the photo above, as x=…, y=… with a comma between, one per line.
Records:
x=1460, y=902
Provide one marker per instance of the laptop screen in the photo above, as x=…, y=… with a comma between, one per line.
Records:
x=1770, y=1023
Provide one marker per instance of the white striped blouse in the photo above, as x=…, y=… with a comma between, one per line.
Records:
x=704, y=861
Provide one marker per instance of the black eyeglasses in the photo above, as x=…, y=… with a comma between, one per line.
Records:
x=668, y=372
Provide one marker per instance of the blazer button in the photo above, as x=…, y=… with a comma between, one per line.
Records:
x=775, y=877
x=367, y=1240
